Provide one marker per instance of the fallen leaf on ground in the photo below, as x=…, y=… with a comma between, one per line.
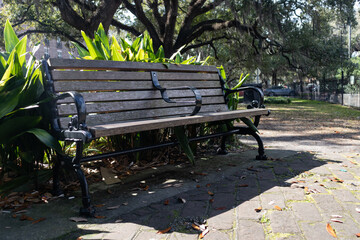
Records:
x=78, y=219
x=196, y=227
x=295, y=185
x=243, y=185
x=208, y=185
x=231, y=165
x=220, y=208
x=336, y=216
x=336, y=220
x=146, y=188
x=113, y=207
x=164, y=231
x=211, y=200
x=39, y=220
x=99, y=205
x=358, y=234
x=271, y=202
x=202, y=235
x=278, y=208
x=258, y=209
x=182, y=200
x=166, y=202
x=330, y=230
x=198, y=186
x=24, y=217
x=99, y=217
x=357, y=209
x=210, y=193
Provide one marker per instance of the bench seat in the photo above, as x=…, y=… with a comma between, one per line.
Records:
x=115, y=128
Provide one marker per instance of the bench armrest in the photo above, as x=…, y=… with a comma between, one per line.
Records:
x=260, y=104
x=78, y=122
x=198, y=98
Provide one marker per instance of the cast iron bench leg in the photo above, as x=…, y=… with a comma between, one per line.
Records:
x=222, y=149
x=261, y=151
x=86, y=210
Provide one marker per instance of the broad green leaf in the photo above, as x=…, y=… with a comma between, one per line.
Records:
x=82, y=52
x=189, y=60
x=241, y=80
x=249, y=123
x=11, y=128
x=136, y=44
x=140, y=56
x=184, y=142
x=46, y=138
x=8, y=101
x=104, y=39
x=160, y=53
x=10, y=37
x=21, y=50
x=116, y=55
x=94, y=52
x=222, y=72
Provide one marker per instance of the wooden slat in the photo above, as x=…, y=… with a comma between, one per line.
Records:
x=70, y=109
x=63, y=86
x=57, y=63
x=143, y=114
x=133, y=76
x=142, y=125
x=138, y=95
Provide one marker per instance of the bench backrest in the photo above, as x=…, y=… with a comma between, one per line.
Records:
x=120, y=91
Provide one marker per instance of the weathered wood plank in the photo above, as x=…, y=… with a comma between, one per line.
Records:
x=103, y=107
x=63, y=86
x=139, y=95
x=57, y=63
x=94, y=119
x=133, y=76
x=144, y=125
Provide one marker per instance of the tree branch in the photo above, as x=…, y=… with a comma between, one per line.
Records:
x=119, y=25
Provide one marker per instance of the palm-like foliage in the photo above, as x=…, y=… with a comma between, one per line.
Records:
x=23, y=138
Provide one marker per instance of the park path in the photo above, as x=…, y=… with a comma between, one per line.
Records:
x=312, y=179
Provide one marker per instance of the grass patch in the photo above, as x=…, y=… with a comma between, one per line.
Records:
x=309, y=109
x=277, y=100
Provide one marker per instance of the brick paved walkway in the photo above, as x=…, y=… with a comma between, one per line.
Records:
x=299, y=192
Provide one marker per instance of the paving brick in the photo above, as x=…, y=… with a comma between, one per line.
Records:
x=249, y=230
x=125, y=231
x=315, y=231
x=223, y=220
x=344, y=196
x=246, y=210
x=221, y=200
x=245, y=194
x=347, y=229
x=327, y=203
x=183, y=236
x=194, y=208
x=265, y=185
x=291, y=237
x=280, y=170
x=295, y=194
x=344, y=175
x=283, y=222
x=150, y=235
x=274, y=198
x=217, y=235
x=306, y=211
x=351, y=208
x=267, y=174
x=322, y=170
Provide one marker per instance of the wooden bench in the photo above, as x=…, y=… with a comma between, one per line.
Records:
x=95, y=99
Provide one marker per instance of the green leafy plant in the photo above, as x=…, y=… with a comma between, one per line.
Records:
x=24, y=139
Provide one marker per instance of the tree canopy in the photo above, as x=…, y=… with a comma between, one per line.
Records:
x=273, y=33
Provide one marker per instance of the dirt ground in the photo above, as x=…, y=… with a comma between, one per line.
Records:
x=309, y=130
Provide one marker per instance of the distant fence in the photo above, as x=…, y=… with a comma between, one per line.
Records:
x=352, y=100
